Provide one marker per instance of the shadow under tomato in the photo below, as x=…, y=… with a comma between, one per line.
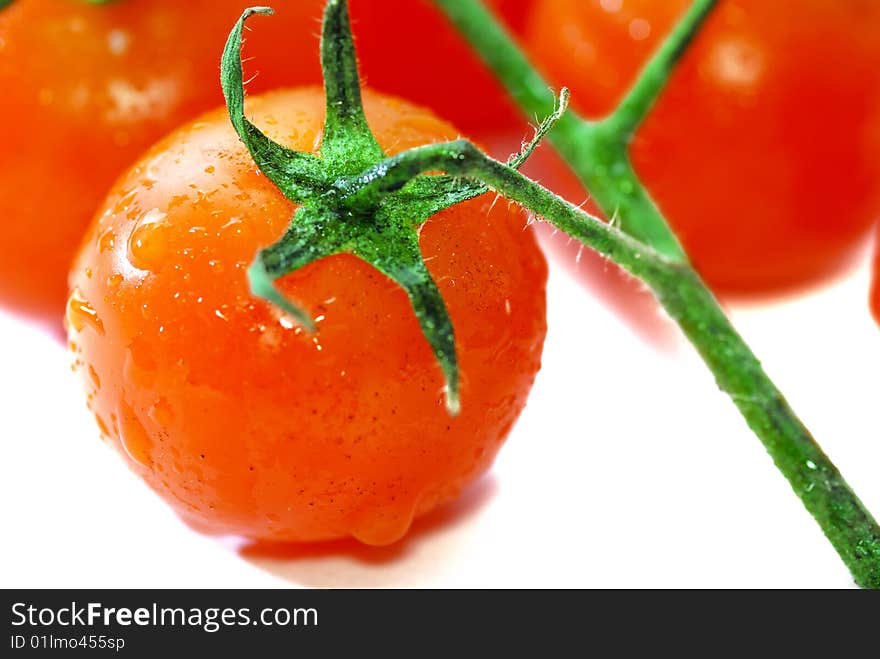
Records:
x=349, y=563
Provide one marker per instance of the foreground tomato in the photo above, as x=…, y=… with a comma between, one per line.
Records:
x=246, y=424
x=87, y=88
x=764, y=150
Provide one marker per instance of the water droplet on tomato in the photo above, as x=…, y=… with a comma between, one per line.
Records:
x=161, y=414
x=148, y=244
x=105, y=431
x=81, y=314
x=94, y=375
x=124, y=202
x=233, y=229
x=107, y=241
x=134, y=437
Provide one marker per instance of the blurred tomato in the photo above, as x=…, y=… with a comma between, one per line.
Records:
x=408, y=48
x=764, y=149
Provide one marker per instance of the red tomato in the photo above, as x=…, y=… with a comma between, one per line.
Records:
x=408, y=48
x=87, y=88
x=248, y=425
x=764, y=150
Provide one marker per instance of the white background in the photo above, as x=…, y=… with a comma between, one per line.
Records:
x=628, y=469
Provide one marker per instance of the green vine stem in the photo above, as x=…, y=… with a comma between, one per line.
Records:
x=646, y=247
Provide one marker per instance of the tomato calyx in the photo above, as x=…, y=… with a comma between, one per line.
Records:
x=342, y=206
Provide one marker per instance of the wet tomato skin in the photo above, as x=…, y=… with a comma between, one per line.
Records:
x=248, y=425
x=88, y=88
x=764, y=150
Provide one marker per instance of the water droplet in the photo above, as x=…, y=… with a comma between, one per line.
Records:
x=105, y=431
x=161, y=413
x=134, y=437
x=124, y=202
x=114, y=280
x=148, y=244
x=94, y=375
x=107, y=241
x=80, y=314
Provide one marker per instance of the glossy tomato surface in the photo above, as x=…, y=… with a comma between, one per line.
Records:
x=87, y=88
x=245, y=423
x=764, y=150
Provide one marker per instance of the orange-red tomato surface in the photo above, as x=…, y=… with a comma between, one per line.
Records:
x=764, y=150
x=246, y=424
x=87, y=88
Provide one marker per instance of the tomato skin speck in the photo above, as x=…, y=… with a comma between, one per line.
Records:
x=244, y=423
x=764, y=150
x=88, y=88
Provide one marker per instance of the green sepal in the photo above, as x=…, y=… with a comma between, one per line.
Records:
x=406, y=267
x=262, y=285
x=296, y=174
x=348, y=145
x=309, y=238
